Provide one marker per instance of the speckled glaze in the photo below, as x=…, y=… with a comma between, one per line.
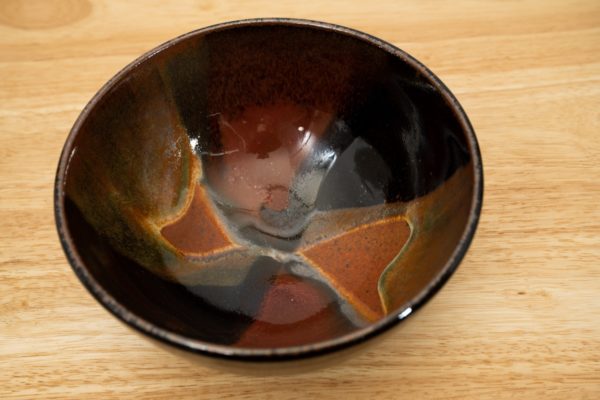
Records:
x=268, y=189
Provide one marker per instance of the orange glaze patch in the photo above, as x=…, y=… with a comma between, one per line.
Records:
x=354, y=261
x=197, y=231
x=295, y=311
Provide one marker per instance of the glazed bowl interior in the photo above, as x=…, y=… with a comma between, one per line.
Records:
x=268, y=188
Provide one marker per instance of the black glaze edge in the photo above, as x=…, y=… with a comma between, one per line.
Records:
x=285, y=353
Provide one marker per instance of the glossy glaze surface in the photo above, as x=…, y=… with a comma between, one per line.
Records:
x=262, y=193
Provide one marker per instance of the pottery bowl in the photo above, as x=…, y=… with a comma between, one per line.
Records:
x=268, y=189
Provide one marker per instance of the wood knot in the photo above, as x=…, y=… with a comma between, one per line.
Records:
x=42, y=14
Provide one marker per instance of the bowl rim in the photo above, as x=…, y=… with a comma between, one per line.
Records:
x=279, y=353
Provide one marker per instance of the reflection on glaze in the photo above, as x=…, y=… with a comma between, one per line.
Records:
x=266, y=170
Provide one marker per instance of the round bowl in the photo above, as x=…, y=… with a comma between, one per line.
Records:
x=268, y=189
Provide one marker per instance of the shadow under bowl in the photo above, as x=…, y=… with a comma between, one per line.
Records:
x=268, y=189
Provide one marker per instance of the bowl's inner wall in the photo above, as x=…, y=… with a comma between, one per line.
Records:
x=385, y=144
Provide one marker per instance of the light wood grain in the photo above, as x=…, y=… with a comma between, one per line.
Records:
x=520, y=318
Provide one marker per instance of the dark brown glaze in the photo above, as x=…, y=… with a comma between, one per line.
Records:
x=169, y=305
x=131, y=169
x=275, y=186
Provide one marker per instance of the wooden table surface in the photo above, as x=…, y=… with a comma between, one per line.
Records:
x=519, y=319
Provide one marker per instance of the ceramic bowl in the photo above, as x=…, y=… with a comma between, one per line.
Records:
x=268, y=189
